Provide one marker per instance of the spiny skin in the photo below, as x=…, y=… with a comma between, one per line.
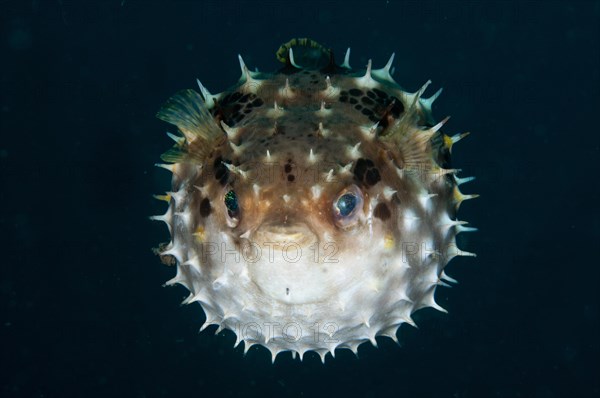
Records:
x=285, y=268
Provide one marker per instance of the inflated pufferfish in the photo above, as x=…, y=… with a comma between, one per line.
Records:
x=312, y=208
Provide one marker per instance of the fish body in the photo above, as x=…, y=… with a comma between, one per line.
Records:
x=313, y=208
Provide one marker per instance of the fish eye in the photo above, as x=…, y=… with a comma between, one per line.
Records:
x=346, y=203
x=347, y=206
x=233, y=207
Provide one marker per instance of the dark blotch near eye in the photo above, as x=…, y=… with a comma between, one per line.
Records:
x=382, y=211
x=360, y=169
x=372, y=177
x=205, y=207
x=366, y=173
x=221, y=171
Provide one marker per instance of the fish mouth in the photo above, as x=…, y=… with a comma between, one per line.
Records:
x=281, y=234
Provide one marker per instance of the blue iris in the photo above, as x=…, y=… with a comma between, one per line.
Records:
x=346, y=203
x=231, y=202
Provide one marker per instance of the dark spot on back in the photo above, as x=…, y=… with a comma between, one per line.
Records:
x=367, y=112
x=225, y=99
x=288, y=168
x=382, y=211
x=233, y=106
x=367, y=100
x=388, y=109
x=398, y=108
x=380, y=94
x=355, y=92
x=291, y=178
x=205, y=207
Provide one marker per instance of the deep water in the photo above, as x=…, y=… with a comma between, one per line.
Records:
x=82, y=308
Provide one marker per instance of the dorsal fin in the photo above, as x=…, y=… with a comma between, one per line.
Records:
x=189, y=113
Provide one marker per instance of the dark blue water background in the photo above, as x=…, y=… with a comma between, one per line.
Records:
x=82, y=310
